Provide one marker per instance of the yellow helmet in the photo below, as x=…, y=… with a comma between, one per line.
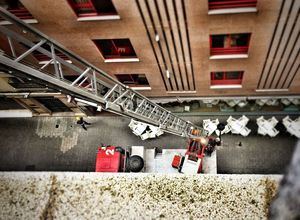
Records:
x=77, y=118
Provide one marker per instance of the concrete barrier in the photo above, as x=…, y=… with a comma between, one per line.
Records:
x=35, y=195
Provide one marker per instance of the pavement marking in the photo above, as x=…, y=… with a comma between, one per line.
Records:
x=58, y=128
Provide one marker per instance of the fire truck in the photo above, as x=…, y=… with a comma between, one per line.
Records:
x=118, y=159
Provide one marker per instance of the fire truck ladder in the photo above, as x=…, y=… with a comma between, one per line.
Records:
x=34, y=55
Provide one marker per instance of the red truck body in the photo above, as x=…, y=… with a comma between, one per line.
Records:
x=109, y=160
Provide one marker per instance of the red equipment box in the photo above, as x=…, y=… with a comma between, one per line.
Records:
x=176, y=161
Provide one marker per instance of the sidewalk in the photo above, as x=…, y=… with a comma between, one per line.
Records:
x=58, y=144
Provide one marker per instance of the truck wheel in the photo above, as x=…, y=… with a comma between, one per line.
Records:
x=127, y=165
x=135, y=163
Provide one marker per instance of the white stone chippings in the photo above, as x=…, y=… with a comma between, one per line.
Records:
x=135, y=196
x=23, y=197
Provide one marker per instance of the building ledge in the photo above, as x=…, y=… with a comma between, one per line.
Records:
x=181, y=92
x=28, y=21
x=228, y=56
x=226, y=87
x=271, y=90
x=99, y=18
x=15, y=113
x=121, y=60
x=137, y=88
x=232, y=10
x=47, y=61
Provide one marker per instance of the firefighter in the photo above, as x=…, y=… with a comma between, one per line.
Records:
x=82, y=122
x=210, y=146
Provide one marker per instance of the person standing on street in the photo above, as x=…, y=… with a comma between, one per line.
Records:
x=82, y=122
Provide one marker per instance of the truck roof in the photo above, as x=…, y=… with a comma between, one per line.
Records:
x=108, y=160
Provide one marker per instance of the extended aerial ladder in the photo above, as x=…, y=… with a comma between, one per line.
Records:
x=92, y=85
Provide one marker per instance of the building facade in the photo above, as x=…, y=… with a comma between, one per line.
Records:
x=165, y=49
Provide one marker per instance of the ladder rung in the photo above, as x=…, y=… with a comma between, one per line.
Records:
x=137, y=109
x=110, y=92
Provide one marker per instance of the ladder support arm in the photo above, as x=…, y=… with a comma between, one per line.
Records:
x=102, y=89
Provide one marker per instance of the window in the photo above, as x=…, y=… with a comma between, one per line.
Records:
x=42, y=58
x=8, y=103
x=237, y=6
x=227, y=44
x=116, y=49
x=226, y=78
x=53, y=104
x=15, y=7
x=133, y=79
x=93, y=8
x=23, y=83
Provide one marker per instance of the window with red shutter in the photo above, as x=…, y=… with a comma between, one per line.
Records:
x=87, y=8
x=227, y=78
x=225, y=4
x=133, y=79
x=15, y=7
x=224, y=44
x=115, y=48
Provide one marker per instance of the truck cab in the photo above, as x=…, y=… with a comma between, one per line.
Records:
x=110, y=159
